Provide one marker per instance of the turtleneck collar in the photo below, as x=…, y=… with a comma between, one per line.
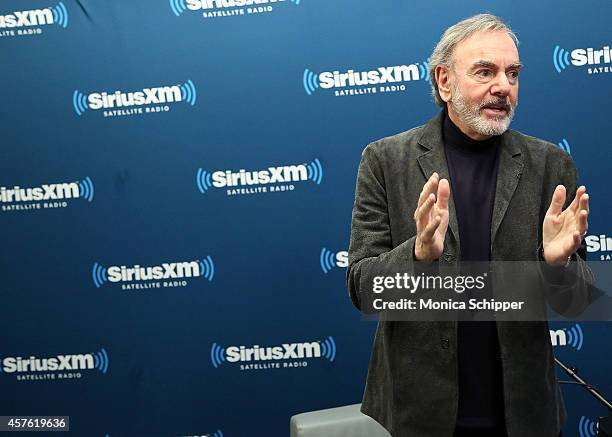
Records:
x=453, y=137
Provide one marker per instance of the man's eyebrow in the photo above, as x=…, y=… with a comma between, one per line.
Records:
x=482, y=63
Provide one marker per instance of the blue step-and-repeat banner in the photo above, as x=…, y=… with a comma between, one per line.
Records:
x=176, y=185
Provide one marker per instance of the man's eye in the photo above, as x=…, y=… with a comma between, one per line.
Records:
x=483, y=73
x=513, y=74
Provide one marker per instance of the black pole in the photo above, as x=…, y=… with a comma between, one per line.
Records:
x=604, y=428
x=573, y=373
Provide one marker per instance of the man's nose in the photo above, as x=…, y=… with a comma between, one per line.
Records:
x=501, y=85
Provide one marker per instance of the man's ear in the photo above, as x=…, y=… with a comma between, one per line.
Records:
x=444, y=83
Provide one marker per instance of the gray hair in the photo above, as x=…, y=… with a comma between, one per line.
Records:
x=444, y=50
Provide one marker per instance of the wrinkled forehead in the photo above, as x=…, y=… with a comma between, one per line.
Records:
x=495, y=47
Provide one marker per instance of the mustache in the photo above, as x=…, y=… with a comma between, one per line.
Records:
x=496, y=103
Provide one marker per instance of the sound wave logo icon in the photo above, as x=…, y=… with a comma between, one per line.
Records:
x=328, y=259
x=561, y=59
x=79, y=102
x=424, y=70
x=315, y=171
x=575, y=337
x=564, y=145
x=86, y=189
x=189, y=92
x=217, y=355
x=101, y=360
x=207, y=268
x=328, y=348
x=203, y=180
x=178, y=7
x=204, y=268
x=98, y=274
x=587, y=427
x=60, y=15
x=310, y=82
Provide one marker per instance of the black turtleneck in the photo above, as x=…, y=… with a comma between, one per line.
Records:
x=472, y=167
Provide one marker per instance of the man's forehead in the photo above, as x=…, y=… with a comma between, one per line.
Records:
x=496, y=47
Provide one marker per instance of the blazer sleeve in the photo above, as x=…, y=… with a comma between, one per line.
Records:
x=371, y=248
x=569, y=288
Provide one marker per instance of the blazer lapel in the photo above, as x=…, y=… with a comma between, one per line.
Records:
x=433, y=159
x=508, y=175
x=509, y=171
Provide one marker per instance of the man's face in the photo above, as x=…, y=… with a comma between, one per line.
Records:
x=484, y=84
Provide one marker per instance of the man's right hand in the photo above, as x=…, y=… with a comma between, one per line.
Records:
x=431, y=217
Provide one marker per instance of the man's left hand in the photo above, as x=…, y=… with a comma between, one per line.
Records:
x=562, y=231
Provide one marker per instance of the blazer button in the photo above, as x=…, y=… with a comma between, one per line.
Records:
x=445, y=343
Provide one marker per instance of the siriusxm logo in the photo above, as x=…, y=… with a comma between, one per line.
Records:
x=257, y=181
x=572, y=337
x=57, y=14
x=83, y=189
x=59, y=363
x=351, y=82
x=288, y=351
x=564, y=145
x=51, y=195
x=133, y=100
x=225, y=8
x=601, y=243
x=588, y=427
x=168, y=272
x=328, y=259
x=582, y=57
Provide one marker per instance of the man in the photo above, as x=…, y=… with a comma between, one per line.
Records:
x=465, y=188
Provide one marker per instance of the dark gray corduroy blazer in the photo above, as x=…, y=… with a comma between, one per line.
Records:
x=411, y=387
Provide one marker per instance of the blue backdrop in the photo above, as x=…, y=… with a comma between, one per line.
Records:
x=145, y=278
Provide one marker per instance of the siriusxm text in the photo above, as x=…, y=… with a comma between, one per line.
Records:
x=382, y=75
x=591, y=56
x=342, y=259
x=273, y=175
x=57, y=363
x=165, y=271
x=35, y=17
x=43, y=192
x=194, y=5
x=283, y=352
x=148, y=96
x=558, y=337
x=597, y=243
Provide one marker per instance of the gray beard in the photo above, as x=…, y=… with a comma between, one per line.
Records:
x=471, y=116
